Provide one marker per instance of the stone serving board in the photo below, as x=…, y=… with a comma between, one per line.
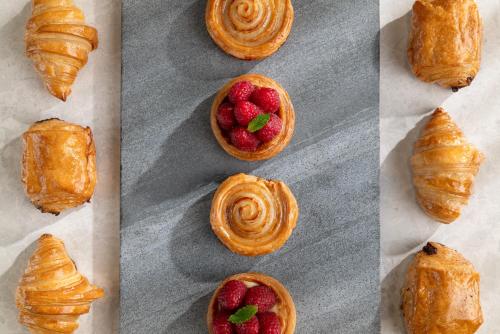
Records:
x=171, y=262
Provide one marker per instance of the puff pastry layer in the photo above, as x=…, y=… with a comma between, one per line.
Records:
x=444, y=165
x=445, y=42
x=284, y=308
x=286, y=113
x=249, y=29
x=52, y=294
x=252, y=216
x=58, y=42
x=58, y=166
x=441, y=293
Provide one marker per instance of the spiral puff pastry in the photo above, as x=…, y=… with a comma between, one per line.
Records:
x=58, y=42
x=444, y=165
x=284, y=308
x=445, y=42
x=249, y=29
x=252, y=216
x=286, y=113
x=52, y=294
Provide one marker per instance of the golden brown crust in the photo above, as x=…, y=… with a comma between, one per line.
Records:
x=52, y=294
x=444, y=165
x=249, y=29
x=58, y=165
x=441, y=293
x=286, y=113
x=253, y=216
x=58, y=42
x=285, y=307
x=445, y=42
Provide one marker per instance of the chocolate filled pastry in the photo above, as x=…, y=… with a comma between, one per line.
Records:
x=441, y=293
x=251, y=303
x=58, y=42
x=444, y=166
x=52, y=294
x=58, y=165
x=445, y=42
x=253, y=216
x=252, y=117
x=249, y=29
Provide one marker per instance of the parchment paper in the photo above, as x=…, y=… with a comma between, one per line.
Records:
x=404, y=104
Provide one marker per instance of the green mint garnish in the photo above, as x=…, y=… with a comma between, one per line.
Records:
x=243, y=314
x=258, y=122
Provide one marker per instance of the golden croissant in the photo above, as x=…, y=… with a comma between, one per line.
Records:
x=441, y=293
x=445, y=42
x=52, y=294
x=444, y=165
x=58, y=42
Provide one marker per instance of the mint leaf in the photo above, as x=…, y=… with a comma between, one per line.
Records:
x=243, y=314
x=258, y=122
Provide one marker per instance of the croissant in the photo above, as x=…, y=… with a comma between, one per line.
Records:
x=252, y=216
x=58, y=42
x=249, y=29
x=441, y=293
x=444, y=165
x=58, y=165
x=52, y=294
x=445, y=42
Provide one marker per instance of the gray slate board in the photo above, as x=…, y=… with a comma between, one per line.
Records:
x=171, y=165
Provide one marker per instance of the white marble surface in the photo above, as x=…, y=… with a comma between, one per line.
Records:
x=91, y=232
x=405, y=101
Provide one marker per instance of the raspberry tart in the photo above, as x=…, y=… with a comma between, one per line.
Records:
x=251, y=303
x=252, y=117
x=252, y=216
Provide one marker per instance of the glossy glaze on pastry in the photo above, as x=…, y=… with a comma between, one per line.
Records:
x=58, y=42
x=445, y=42
x=444, y=165
x=286, y=113
x=441, y=293
x=253, y=216
x=52, y=294
x=58, y=165
x=284, y=308
x=249, y=29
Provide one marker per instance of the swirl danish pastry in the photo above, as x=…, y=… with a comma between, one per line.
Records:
x=253, y=216
x=249, y=29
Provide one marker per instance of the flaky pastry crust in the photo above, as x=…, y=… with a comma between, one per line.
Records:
x=441, y=293
x=445, y=42
x=286, y=113
x=252, y=216
x=285, y=307
x=249, y=29
x=58, y=165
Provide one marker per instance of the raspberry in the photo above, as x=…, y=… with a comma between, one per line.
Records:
x=240, y=91
x=225, y=116
x=243, y=139
x=261, y=296
x=245, y=111
x=249, y=327
x=231, y=295
x=221, y=325
x=271, y=129
x=269, y=323
x=266, y=98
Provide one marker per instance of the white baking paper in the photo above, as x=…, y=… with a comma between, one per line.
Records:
x=91, y=232
x=404, y=103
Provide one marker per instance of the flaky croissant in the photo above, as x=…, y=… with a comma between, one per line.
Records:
x=58, y=42
x=52, y=294
x=441, y=293
x=444, y=165
x=445, y=42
